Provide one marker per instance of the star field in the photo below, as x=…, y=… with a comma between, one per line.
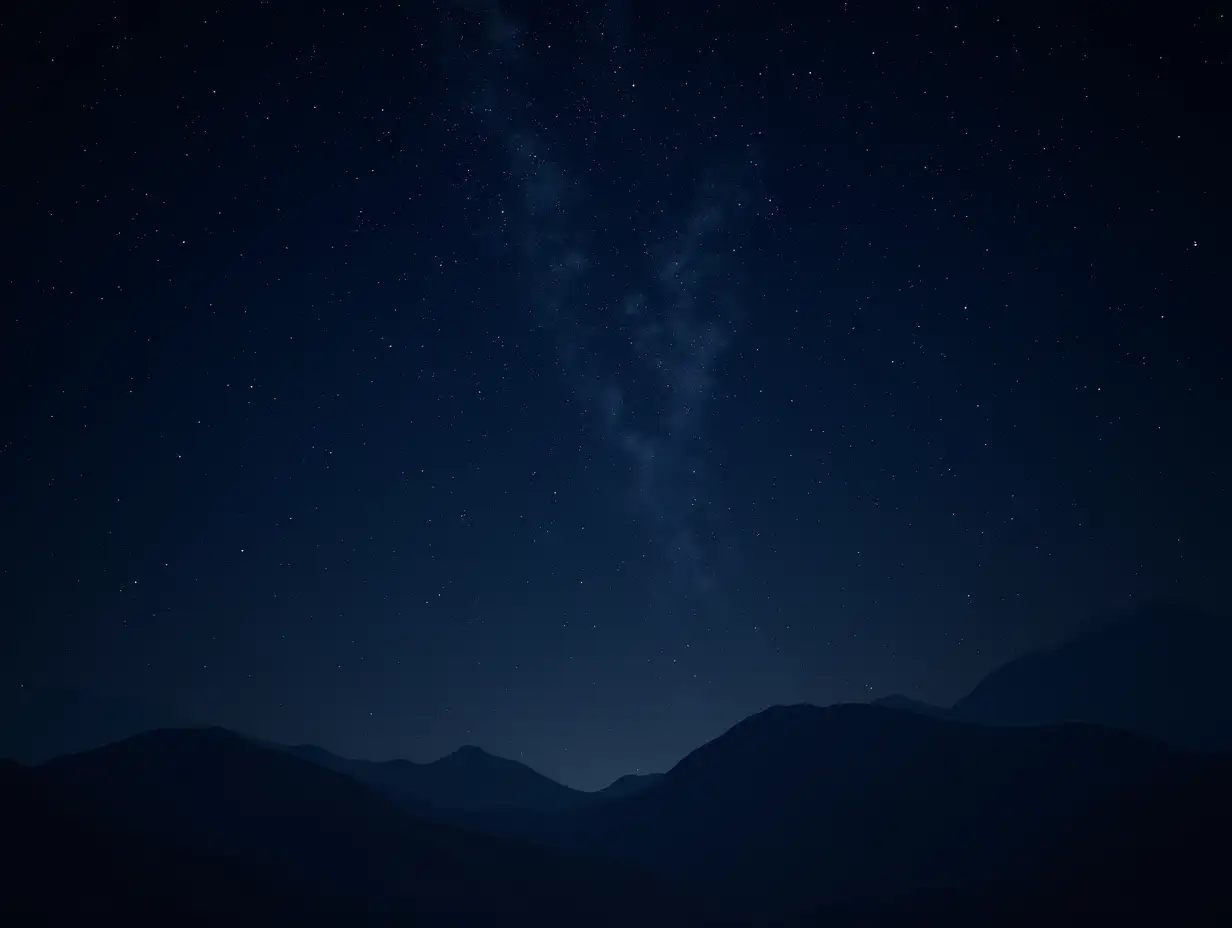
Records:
x=577, y=382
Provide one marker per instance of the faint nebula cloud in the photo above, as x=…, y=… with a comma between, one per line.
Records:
x=642, y=347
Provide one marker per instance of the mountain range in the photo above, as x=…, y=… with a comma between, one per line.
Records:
x=302, y=832
x=1019, y=805
x=470, y=780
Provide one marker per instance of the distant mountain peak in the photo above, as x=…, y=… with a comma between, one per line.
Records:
x=46, y=722
x=629, y=784
x=1157, y=671
x=627, y=778
x=467, y=779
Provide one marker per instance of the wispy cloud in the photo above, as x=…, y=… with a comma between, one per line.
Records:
x=646, y=360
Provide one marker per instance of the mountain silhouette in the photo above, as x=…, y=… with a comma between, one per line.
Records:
x=1011, y=808
x=800, y=806
x=469, y=780
x=296, y=824
x=1160, y=672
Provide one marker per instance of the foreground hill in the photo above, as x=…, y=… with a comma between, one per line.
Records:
x=287, y=822
x=1157, y=856
x=62, y=861
x=800, y=806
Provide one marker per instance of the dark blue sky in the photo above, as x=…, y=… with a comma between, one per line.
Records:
x=577, y=384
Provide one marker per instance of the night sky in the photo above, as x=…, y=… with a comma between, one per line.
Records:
x=577, y=383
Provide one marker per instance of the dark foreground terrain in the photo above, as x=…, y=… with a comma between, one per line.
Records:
x=204, y=825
